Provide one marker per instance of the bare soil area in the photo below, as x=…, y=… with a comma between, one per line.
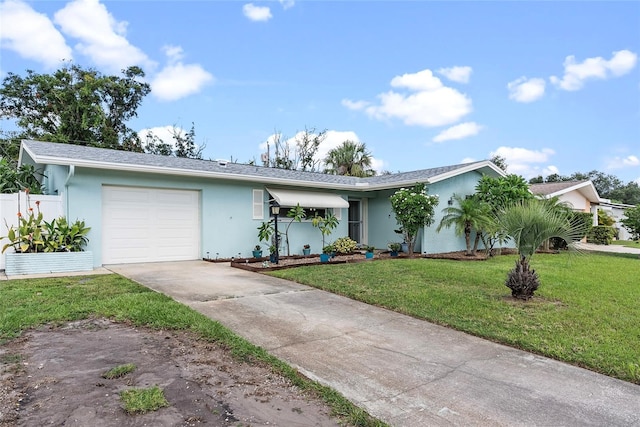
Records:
x=53, y=376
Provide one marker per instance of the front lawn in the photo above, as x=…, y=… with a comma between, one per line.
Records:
x=586, y=311
x=627, y=243
x=31, y=302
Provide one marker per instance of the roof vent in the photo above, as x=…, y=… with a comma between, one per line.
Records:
x=222, y=162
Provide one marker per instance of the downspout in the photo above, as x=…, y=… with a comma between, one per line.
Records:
x=72, y=172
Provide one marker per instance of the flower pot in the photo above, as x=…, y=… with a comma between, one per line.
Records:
x=368, y=255
x=257, y=254
x=394, y=253
x=272, y=258
x=306, y=251
x=324, y=257
x=47, y=262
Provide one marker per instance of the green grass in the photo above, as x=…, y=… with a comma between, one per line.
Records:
x=586, y=311
x=143, y=400
x=119, y=371
x=627, y=243
x=28, y=303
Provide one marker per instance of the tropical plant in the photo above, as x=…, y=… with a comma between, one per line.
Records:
x=530, y=223
x=329, y=249
x=470, y=214
x=345, y=245
x=350, y=158
x=34, y=234
x=394, y=246
x=296, y=214
x=325, y=224
x=24, y=178
x=631, y=221
x=414, y=209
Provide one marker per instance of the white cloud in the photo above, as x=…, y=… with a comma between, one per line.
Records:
x=334, y=138
x=101, y=37
x=468, y=160
x=429, y=103
x=354, y=105
x=177, y=80
x=287, y=4
x=457, y=74
x=526, y=90
x=623, y=162
x=525, y=162
x=463, y=130
x=31, y=35
x=256, y=13
x=576, y=74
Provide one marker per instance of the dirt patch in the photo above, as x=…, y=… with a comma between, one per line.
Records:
x=53, y=376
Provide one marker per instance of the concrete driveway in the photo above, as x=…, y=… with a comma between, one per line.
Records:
x=404, y=371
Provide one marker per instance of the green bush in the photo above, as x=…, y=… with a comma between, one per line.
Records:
x=601, y=235
x=345, y=245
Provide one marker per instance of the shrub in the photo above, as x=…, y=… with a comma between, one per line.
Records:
x=345, y=245
x=601, y=235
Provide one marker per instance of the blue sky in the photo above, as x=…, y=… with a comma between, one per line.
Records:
x=553, y=87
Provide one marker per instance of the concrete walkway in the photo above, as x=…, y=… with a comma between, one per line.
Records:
x=404, y=371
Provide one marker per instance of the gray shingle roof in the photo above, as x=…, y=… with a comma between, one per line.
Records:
x=68, y=154
x=553, y=187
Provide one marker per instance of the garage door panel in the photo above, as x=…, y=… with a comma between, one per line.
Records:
x=147, y=224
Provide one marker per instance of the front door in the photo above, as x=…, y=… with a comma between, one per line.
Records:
x=355, y=220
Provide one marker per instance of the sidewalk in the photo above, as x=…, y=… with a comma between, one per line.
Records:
x=404, y=371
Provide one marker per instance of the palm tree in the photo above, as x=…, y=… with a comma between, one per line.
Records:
x=469, y=214
x=350, y=158
x=530, y=223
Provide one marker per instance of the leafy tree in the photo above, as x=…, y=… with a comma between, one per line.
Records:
x=299, y=156
x=350, y=158
x=296, y=214
x=605, y=219
x=530, y=223
x=75, y=105
x=13, y=180
x=414, y=209
x=500, y=162
x=183, y=144
x=631, y=221
x=325, y=224
x=502, y=191
x=470, y=214
x=629, y=194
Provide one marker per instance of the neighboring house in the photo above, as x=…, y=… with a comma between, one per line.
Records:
x=616, y=211
x=583, y=197
x=144, y=208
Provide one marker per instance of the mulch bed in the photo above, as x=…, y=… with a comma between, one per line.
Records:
x=263, y=264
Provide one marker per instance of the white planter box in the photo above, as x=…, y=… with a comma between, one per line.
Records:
x=47, y=262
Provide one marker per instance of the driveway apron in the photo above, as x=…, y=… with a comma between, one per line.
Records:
x=405, y=371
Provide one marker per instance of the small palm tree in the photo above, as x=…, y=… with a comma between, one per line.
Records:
x=350, y=158
x=530, y=223
x=469, y=214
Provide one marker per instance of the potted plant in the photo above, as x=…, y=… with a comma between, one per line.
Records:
x=273, y=250
x=257, y=251
x=327, y=252
x=46, y=247
x=369, y=251
x=306, y=249
x=395, y=248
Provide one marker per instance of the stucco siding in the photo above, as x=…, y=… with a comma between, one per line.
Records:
x=446, y=240
x=227, y=225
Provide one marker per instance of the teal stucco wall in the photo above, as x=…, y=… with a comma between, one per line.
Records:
x=227, y=225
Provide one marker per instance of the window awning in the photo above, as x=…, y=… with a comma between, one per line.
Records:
x=307, y=199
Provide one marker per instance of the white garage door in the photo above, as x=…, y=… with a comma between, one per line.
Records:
x=149, y=224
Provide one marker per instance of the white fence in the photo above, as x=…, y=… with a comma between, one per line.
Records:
x=10, y=204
